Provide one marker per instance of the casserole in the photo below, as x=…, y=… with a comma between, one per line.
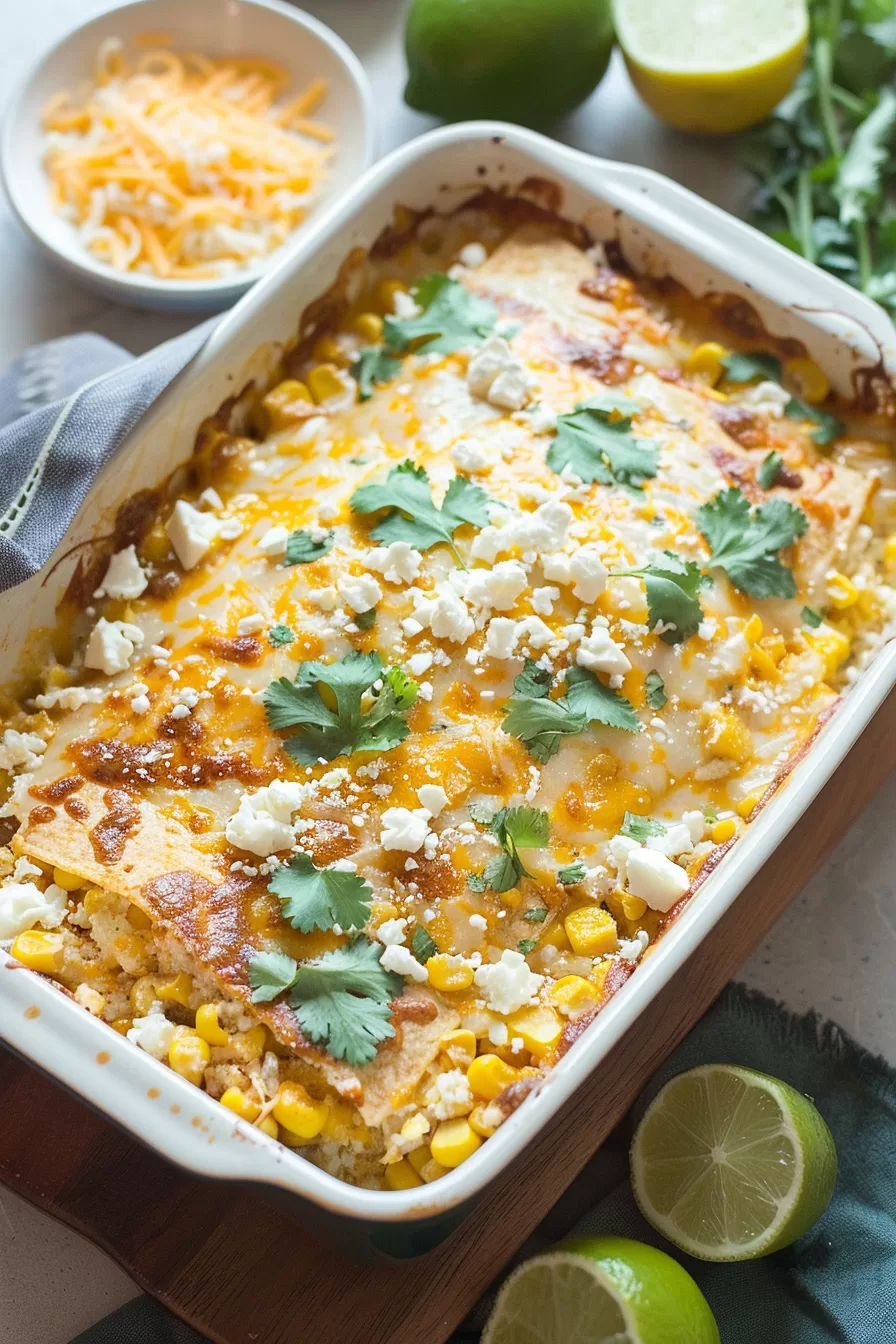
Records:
x=842, y=340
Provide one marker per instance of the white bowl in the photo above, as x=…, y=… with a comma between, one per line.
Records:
x=268, y=28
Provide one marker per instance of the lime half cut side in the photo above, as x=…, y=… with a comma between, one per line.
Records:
x=730, y=1164
x=601, y=1290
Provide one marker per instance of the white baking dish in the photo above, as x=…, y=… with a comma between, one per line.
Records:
x=662, y=228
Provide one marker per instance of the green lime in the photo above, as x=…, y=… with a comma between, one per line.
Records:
x=528, y=61
x=601, y=1290
x=731, y=1164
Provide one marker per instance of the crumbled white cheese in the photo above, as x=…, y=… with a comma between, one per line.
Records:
x=508, y=983
x=450, y=1095
x=501, y=637
x=543, y=530
x=403, y=962
x=140, y=704
x=533, y=631
x=398, y=562
x=542, y=419
x=153, y=1033
x=263, y=822
x=468, y=455
x=446, y=615
x=433, y=797
x=23, y=904
x=360, y=592
x=392, y=932
x=599, y=653
x=557, y=567
x=273, y=543
x=191, y=533
x=125, y=578
x=618, y=851
x=404, y=829
x=478, y=922
x=111, y=645
x=250, y=625
x=403, y=306
x=473, y=255
x=419, y=663
x=543, y=600
x=766, y=399
x=497, y=376
x=588, y=572
x=656, y=879
x=630, y=949
x=20, y=749
x=70, y=698
x=499, y=587
x=327, y=598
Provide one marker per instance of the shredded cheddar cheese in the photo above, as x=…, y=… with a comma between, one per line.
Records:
x=181, y=166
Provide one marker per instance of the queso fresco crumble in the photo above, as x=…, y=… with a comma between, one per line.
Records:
x=385, y=740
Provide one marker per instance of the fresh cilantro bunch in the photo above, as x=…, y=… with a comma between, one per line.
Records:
x=341, y=999
x=744, y=542
x=540, y=722
x=514, y=828
x=672, y=586
x=824, y=161
x=412, y=515
x=596, y=442
x=324, y=733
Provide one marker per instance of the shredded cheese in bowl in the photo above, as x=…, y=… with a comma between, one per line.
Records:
x=183, y=166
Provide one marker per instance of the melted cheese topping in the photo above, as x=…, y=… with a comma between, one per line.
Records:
x=163, y=791
x=182, y=166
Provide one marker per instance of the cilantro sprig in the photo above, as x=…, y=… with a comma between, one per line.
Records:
x=412, y=516
x=671, y=585
x=541, y=723
x=319, y=898
x=639, y=828
x=744, y=542
x=451, y=318
x=514, y=828
x=751, y=367
x=596, y=442
x=372, y=366
x=655, y=690
x=341, y=999
x=303, y=549
x=324, y=733
x=769, y=470
x=828, y=427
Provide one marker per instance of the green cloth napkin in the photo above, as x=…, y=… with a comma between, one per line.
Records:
x=837, y=1285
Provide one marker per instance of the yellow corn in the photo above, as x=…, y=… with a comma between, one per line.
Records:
x=447, y=977
x=340, y=1117
x=632, y=906
x=138, y=919
x=156, y=545
x=418, y=1157
x=488, y=1076
x=284, y=405
x=432, y=1171
x=249, y=1045
x=841, y=591
x=208, y=1026
x=726, y=735
x=90, y=999
x=762, y=663
x=809, y=378
x=328, y=350
x=177, y=990
x=540, y=1029
x=831, y=644
x=460, y=1047
x=386, y=291
x=723, y=830
x=591, y=930
x=512, y=897
x=555, y=937
x=369, y=326
x=143, y=995
x=402, y=1176
x=189, y=1056
x=890, y=555
x=753, y=629
x=453, y=1142
x=324, y=382
x=298, y=1112
x=269, y=1126
x=238, y=1101
x=479, y=1124
x=94, y=900
x=67, y=881
x=39, y=951
x=746, y=805
x=706, y=360
x=573, y=994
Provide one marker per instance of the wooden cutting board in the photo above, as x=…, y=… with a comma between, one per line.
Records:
x=242, y=1272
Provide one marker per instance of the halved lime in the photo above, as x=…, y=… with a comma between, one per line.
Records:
x=601, y=1290
x=731, y=1164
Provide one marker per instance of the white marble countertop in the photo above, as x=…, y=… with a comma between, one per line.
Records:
x=833, y=949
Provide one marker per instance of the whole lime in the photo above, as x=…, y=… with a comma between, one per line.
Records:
x=527, y=61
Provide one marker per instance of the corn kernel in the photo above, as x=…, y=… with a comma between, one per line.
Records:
x=324, y=382
x=208, y=1026
x=775, y=647
x=573, y=994
x=189, y=1056
x=340, y=1117
x=453, y=1142
x=418, y=1157
x=478, y=1122
x=122, y=1025
x=723, y=830
x=890, y=555
x=298, y=1113
x=369, y=326
x=269, y=1126
x=249, y=1045
x=67, y=881
x=841, y=591
x=460, y=1047
x=285, y=405
x=143, y=994
x=726, y=735
x=753, y=629
x=138, y=919
x=432, y=1171
x=39, y=951
x=90, y=999
x=238, y=1101
x=328, y=350
x=94, y=901
x=831, y=644
x=386, y=291
x=555, y=936
x=809, y=378
x=156, y=545
x=513, y=897
x=591, y=930
x=746, y=805
x=707, y=361
x=446, y=976
x=291, y=1140
x=488, y=1076
x=632, y=906
x=402, y=1176
x=763, y=664
x=540, y=1029
x=177, y=990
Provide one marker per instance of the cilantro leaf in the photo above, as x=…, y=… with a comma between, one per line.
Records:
x=744, y=542
x=452, y=317
x=527, y=945
x=412, y=516
x=640, y=828
x=811, y=617
x=301, y=549
x=599, y=448
x=422, y=946
x=533, y=681
x=571, y=874
x=540, y=722
x=371, y=366
x=860, y=173
x=281, y=635
x=324, y=733
x=747, y=368
x=672, y=585
x=366, y=620
x=829, y=426
x=655, y=690
x=325, y=999
x=589, y=696
x=514, y=828
x=318, y=898
x=270, y=973
x=537, y=915
x=769, y=470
